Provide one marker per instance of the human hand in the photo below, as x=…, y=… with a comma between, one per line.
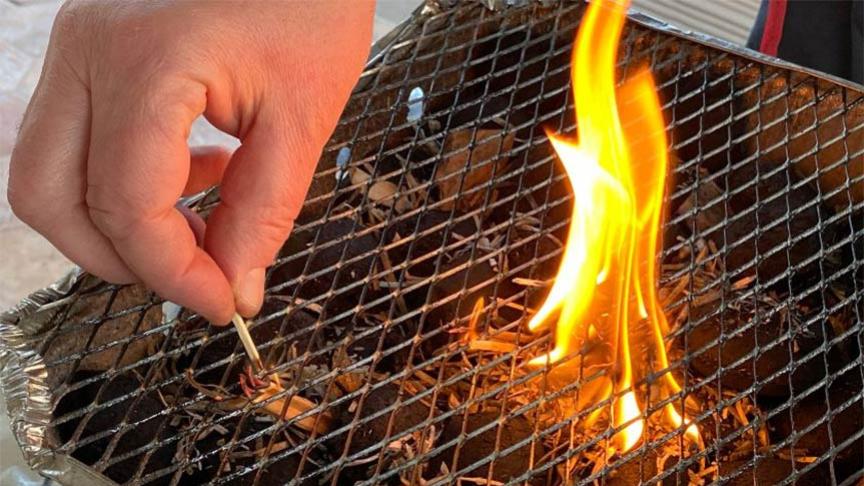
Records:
x=102, y=154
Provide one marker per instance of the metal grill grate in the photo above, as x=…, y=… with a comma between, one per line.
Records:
x=439, y=187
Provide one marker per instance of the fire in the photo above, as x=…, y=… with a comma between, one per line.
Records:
x=617, y=168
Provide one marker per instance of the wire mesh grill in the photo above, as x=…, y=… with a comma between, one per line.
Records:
x=439, y=188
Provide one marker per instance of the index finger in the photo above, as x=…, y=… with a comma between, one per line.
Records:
x=137, y=168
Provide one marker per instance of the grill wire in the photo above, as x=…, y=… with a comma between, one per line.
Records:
x=367, y=304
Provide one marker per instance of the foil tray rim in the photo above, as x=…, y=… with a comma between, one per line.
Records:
x=23, y=382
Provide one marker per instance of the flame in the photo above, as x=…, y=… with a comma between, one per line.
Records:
x=627, y=412
x=472, y=334
x=616, y=170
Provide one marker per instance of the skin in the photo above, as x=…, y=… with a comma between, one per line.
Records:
x=102, y=153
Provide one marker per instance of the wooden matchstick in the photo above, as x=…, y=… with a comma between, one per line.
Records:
x=248, y=343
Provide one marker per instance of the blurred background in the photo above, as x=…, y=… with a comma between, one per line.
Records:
x=28, y=262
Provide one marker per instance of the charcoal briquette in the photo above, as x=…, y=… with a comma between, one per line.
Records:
x=812, y=411
x=758, y=202
x=750, y=333
x=395, y=344
x=368, y=431
x=699, y=133
x=424, y=236
x=140, y=411
x=478, y=279
x=472, y=159
x=282, y=471
x=769, y=471
x=643, y=468
x=539, y=259
x=472, y=450
x=544, y=192
x=479, y=275
x=359, y=253
x=817, y=131
x=245, y=471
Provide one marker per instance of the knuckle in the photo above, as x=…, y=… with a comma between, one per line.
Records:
x=27, y=201
x=77, y=17
x=270, y=225
x=257, y=234
x=114, y=212
x=273, y=217
x=270, y=235
x=172, y=102
x=68, y=17
x=110, y=223
x=134, y=30
x=275, y=230
x=21, y=205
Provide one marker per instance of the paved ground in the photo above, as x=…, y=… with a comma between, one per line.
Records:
x=28, y=262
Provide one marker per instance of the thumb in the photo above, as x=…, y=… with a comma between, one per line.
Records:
x=262, y=191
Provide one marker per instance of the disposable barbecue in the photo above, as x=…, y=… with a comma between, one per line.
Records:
x=548, y=244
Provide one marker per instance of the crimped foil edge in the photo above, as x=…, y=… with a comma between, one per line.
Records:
x=23, y=381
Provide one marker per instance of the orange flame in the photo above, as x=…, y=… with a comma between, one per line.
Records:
x=617, y=172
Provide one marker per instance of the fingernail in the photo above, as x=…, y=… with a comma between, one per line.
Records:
x=249, y=292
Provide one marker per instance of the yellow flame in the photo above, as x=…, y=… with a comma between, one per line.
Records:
x=617, y=170
x=472, y=333
x=627, y=412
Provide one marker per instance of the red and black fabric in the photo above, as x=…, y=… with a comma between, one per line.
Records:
x=827, y=35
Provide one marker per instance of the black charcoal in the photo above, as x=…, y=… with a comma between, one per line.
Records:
x=765, y=337
x=137, y=413
x=514, y=430
x=769, y=471
x=845, y=418
x=369, y=432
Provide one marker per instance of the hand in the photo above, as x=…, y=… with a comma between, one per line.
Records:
x=102, y=154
